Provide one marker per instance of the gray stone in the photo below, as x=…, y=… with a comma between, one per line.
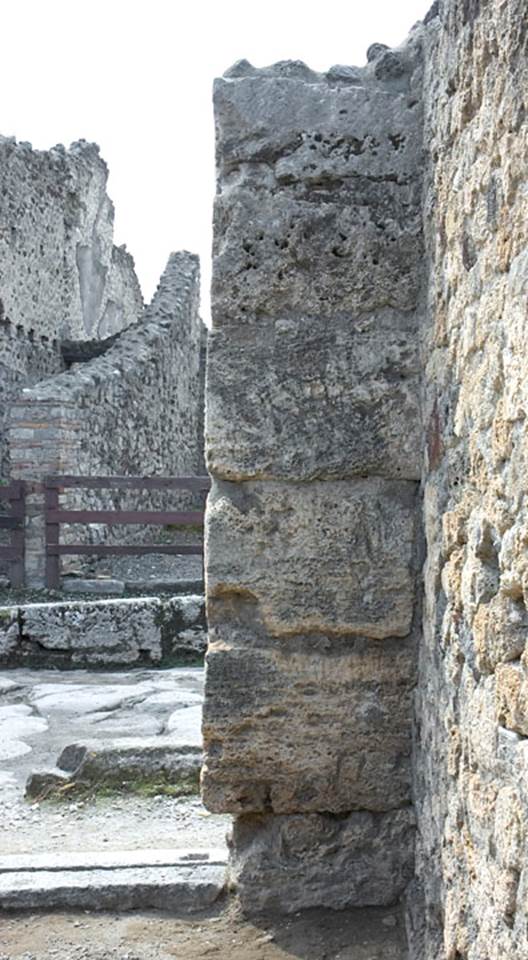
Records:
x=344, y=74
x=104, y=633
x=291, y=863
x=375, y=51
x=325, y=557
x=361, y=377
x=120, y=764
x=185, y=888
x=70, y=585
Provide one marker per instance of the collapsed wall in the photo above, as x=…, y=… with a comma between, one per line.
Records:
x=472, y=713
x=313, y=440
x=61, y=277
x=136, y=410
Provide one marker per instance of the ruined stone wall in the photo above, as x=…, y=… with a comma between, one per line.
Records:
x=60, y=275
x=472, y=714
x=136, y=410
x=313, y=438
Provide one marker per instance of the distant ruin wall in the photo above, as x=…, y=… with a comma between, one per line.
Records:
x=313, y=438
x=136, y=410
x=472, y=712
x=60, y=275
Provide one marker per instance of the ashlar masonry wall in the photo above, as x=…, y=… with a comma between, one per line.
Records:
x=136, y=410
x=313, y=438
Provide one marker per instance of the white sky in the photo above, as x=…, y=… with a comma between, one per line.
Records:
x=135, y=76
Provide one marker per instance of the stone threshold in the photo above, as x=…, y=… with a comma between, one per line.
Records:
x=113, y=881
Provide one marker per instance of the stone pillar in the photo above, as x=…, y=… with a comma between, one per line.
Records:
x=313, y=440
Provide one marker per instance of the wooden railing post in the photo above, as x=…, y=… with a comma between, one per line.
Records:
x=18, y=538
x=51, y=502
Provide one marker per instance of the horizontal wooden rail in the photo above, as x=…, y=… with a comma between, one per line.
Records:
x=55, y=485
x=143, y=517
x=104, y=550
x=194, y=484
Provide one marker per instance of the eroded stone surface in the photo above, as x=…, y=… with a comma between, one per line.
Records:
x=306, y=724
x=288, y=863
x=360, y=376
x=470, y=764
x=104, y=633
x=314, y=443
x=321, y=557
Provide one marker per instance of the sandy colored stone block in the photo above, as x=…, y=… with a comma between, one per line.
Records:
x=305, y=724
x=334, y=557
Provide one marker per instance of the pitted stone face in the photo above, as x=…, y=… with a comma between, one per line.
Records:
x=314, y=444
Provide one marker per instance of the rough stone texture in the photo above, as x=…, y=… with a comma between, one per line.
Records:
x=119, y=765
x=470, y=764
x=136, y=411
x=351, y=541
x=284, y=864
x=186, y=888
x=61, y=277
x=313, y=438
x=314, y=723
x=103, y=633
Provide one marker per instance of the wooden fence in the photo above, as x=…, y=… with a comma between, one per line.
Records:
x=54, y=517
x=14, y=494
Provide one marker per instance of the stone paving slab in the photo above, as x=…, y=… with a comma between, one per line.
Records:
x=44, y=712
x=110, y=859
x=187, y=887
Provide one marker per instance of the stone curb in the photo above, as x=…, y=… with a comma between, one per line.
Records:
x=185, y=887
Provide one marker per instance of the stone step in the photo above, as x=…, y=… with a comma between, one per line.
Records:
x=115, y=763
x=131, y=880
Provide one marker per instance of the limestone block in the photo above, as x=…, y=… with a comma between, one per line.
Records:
x=281, y=255
x=8, y=631
x=350, y=407
x=101, y=633
x=314, y=129
x=285, y=864
x=500, y=631
x=305, y=724
x=512, y=697
x=325, y=557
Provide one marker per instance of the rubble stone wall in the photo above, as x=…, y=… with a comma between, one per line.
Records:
x=471, y=764
x=61, y=277
x=137, y=410
x=313, y=438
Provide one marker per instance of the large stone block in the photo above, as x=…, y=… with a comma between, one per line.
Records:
x=325, y=557
x=306, y=724
x=314, y=129
x=320, y=399
x=278, y=253
x=285, y=864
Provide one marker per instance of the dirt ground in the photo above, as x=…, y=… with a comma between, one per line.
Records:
x=223, y=933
